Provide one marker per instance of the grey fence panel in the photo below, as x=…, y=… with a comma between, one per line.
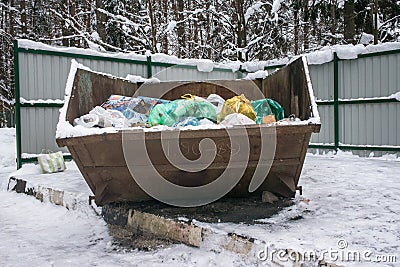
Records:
x=45, y=76
x=179, y=73
x=174, y=73
x=372, y=124
x=42, y=76
x=322, y=80
x=326, y=135
x=368, y=77
x=38, y=127
x=222, y=75
x=119, y=69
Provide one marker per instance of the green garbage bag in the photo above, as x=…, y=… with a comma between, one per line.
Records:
x=177, y=110
x=265, y=107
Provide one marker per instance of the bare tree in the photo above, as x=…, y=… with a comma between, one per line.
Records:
x=100, y=20
x=349, y=24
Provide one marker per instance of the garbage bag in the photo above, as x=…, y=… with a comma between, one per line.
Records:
x=216, y=101
x=189, y=121
x=117, y=102
x=177, y=110
x=109, y=117
x=237, y=119
x=237, y=104
x=136, y=110
x=126, y=105
x=266, y=107
x=52, y=162
x=148, y=104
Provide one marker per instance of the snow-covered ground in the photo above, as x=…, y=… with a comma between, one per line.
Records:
x=351, y=200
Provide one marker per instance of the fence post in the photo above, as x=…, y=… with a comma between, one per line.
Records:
x=149, y=67
x=17, y=105
x=336, y=99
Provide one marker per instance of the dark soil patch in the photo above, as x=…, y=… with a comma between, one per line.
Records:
x=126, y=239
x=235, y=210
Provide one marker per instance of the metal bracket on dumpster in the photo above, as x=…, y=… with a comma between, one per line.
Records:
x=300, y=188
x=91, y=198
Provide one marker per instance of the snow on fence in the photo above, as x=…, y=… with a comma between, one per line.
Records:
x=354, y=87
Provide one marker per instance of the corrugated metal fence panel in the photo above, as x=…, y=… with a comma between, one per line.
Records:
x=38, y=128
x=326, y=135
x=359, y=124
x=180, y=73
x=45, y=76
x=369, y=124
x=119, y=69
x=41, y=76
x=372, y=124
x=322, y=80
x=369, y=76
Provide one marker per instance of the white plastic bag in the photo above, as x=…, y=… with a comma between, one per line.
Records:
x=88, y=120
x=101, y=117
x=52, y=162
x=110, y=117
x=216, y=101
x=237, y=119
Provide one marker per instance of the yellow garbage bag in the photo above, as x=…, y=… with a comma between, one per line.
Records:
x=237, y=104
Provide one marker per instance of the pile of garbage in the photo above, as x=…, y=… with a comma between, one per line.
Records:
x=123, y=111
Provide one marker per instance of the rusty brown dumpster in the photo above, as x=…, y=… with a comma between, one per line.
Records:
x=101, y=160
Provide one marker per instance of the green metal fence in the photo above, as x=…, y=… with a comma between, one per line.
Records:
x=148, y=67
x=337, y=103
x=145, y=69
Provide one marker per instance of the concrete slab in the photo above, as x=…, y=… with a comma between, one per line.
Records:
x=67, y=188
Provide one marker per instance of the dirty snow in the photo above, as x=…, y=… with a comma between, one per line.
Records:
x=345, y=197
